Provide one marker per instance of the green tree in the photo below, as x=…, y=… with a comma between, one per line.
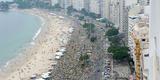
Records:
x=121, y=53
x=81, y=17
x=115, y=40
x=23, y=4
x=4, y=6
x=112, y=48
x=70, y=9
x=93, y=15
x=93, y=39
x=84, y=60
x=89, y=26
x=112, y=32
x=83, y=11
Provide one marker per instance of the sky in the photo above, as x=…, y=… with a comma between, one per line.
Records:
x=6, y=0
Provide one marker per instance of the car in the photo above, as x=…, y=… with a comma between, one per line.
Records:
x=107, y=76
x=108, y=62
x=106, y=73
x=98, y=70
x=107, y=67
x=108, y=70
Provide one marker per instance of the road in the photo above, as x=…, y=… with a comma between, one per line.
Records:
x=100, y=50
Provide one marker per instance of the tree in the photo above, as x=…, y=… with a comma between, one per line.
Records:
x=93, y=39
x=23, y=4
x=4, y=6
x=104, y=20
x=112, y=32
x=84, y=58
x=92, y=15
x=112, y=49
x=115, y=40
x=70, y=9
x=83, y=11
x=89, y=26
x=81, y=17
x=121, y=53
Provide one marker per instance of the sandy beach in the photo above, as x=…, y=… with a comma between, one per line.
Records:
x=40, y=57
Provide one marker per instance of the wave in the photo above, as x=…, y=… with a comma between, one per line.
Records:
x=37, y=33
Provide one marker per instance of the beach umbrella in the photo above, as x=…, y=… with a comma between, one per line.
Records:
x=33, y=76
x=45, y=75
x=59, y=54
x=63, y=49
x=57, y=57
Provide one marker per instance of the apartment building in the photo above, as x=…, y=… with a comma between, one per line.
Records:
x=104, y=8
x=154, y=38
x=94, y=6
x=119, y=15
x=78, y=4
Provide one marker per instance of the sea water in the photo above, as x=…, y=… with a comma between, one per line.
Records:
x=16, y=30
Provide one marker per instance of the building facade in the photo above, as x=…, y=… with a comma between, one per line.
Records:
x=154, y=38
x=104, y=8
x=94, y=6
x=53, y=2
x=78, y=4
x=119, y=15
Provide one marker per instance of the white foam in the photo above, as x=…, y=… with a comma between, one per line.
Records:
x=32, y=43
x=37, y=33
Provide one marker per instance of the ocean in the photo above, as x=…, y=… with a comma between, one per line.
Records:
x=17, y=30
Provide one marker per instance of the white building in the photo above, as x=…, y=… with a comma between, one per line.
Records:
x=68, y=3
x=78, y=4
x=54, y=2
x=94, y=6
x=61, y=3
x=119, y=15
x=104, y=8
x=86, y=4
x=140, y=28
x=144, y=2
x=130, y=2
x=154, y=38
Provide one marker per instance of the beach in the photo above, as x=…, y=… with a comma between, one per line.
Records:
x=39, y=58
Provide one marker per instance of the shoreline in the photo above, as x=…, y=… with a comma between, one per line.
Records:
x=29, y=55
x=26, y=45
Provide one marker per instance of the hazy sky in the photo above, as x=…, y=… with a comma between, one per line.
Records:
x=6, y=0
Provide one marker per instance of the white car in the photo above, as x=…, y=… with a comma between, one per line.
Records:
x=57, y=57
x=59, y=54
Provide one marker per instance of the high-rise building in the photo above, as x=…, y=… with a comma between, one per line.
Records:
x=144, y=2
x=104, y=8
x=53, y=2
x=68, y=3
x=61, y=3
x=94, y=6
x=78, y=4
x=86, y=4
x=119, y=15
x=154, y=38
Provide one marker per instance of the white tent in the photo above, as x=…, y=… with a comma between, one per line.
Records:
x=59, y=54
x=57, y=57
x=45, y=75
x=63, y=49
x=33, y=76
x=71, y=30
